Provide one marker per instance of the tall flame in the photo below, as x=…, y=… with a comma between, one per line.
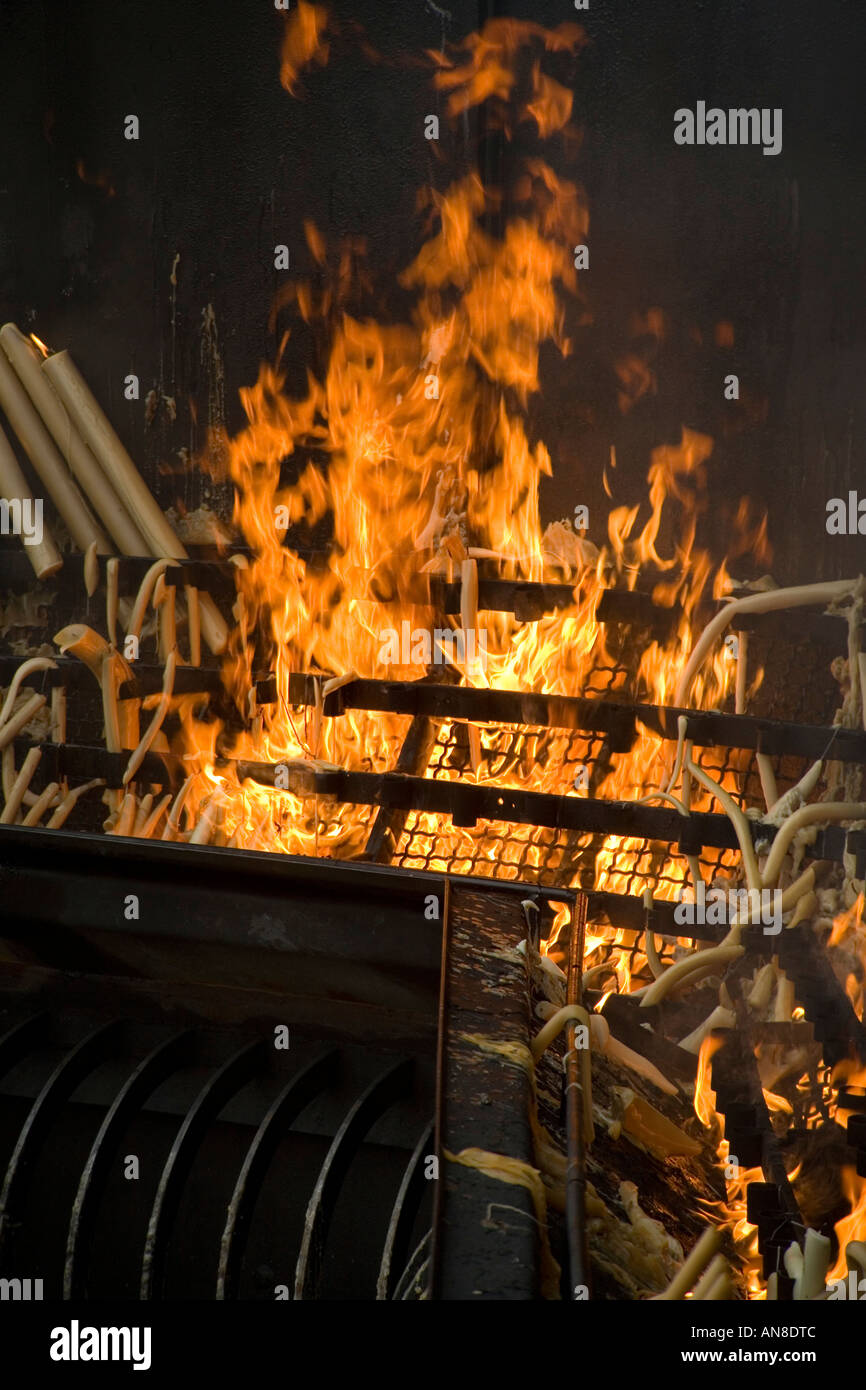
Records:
x=411, y=451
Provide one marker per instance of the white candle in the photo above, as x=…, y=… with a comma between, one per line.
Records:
x=27, y=363
x=21, y=511
x=47, y=461
x=816, y=1262
x=96, y=430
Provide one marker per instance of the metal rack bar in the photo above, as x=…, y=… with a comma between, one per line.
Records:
x=617, y=721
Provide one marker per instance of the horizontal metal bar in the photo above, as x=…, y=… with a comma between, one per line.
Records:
x=467, y=804
x=616, y=721
x=464, y=803
x=775, y=737
x=437, y=701
x=188, y=680
x=81, y=762
x=235, y=870
x=20, y=847
x=525, y=600
x=637, y=608
x=216, y=575
x=73, y=675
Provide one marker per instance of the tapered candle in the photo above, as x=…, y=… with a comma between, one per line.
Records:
x=96, y=430
x=21, y=512
x=104, y=500
x=47, y=461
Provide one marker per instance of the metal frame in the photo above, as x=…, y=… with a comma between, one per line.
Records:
x=618, y=722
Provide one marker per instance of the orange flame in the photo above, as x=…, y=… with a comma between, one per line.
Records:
x=303, y=42
x=847, y=922
x=853, y=1226
x=412, y=448
x=490, y=70
x=705, y=1105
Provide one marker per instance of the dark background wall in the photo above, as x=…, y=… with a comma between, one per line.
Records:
x=228, y=164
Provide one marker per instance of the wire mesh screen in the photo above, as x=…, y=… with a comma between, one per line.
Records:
x=546, y=856
x=582, y=764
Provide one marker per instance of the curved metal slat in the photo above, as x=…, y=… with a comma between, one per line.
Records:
x=395, y=1252
x=387, y=1088
x=206, y=1106
x=288, y=1105
x=65, y=1078
x=144, y=1080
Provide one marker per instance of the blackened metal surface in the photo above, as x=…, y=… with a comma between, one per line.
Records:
x=387, y=1088
x=314, y=928
x=467, y=804
x=78, y=762
x=396, y=1254
x=825, y=1002
x=487, y=1236
x=158, y=1064
x=148, y=679
x=626, y=1020
x=64, y=1079
x=208, y=1103
x=748, y=1128
x=576, y=1103
x=285, y=1109
x=19, y=1039
x=243, y=1161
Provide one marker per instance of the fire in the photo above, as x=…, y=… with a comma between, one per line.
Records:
x=491, y=69
x=731, y=1215
x=777, y=1105
x=847, y=923
x=413, y=448
x=46, y=352
x=303, y=42
x=850, y=1073
x=852, y=1226
x=704, y=1102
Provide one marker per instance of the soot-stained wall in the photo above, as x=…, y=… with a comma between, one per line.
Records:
x=116, y=248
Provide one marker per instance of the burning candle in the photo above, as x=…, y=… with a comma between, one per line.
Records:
x=21, y=512
x=26, y=361
x=47, y=461
x=96, y=430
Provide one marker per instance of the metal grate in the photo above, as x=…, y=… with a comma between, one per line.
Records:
x=562, y=858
